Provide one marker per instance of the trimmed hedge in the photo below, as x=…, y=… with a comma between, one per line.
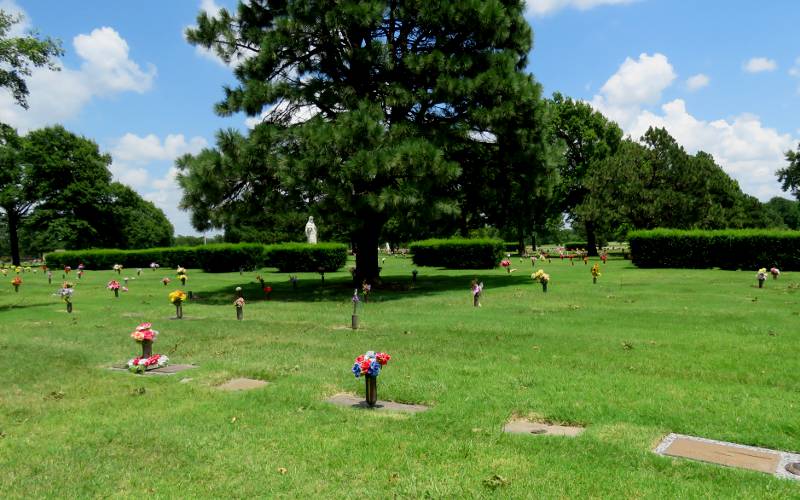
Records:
x=748, y=249
x=216, y=258
x=302, y=257
x=576, y=245
x=457, y=253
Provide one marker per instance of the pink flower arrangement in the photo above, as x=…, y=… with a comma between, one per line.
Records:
x=113, y=285
x=775, y=272
x=239, y=302
x=144, y=332
x=139, y=365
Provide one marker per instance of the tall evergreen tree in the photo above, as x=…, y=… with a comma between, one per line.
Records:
x=364, y=97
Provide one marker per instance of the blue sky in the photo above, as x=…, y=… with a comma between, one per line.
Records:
x=721, y=76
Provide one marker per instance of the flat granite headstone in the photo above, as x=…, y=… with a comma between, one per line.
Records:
x=166, y=370
x=728, y=454
x=358, y=402
x=242, y=384
x=541, y=429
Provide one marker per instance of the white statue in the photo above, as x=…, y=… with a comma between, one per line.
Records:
x=311, y=231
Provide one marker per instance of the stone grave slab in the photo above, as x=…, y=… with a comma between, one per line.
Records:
x=541, y=429
x=166, y=370
x=242, y=384
x=358, y=402
x=740, y=456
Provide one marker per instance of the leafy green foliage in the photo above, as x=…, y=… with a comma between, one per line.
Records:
x=574, y=245
x=457, y=253
x=655, y=183
x=211, y=258
x=789, y=176
x=787, y=210
x=365, y=102
x=727, y=249
x=215, y=258
x=302, y=257
x=589, y=138
x=18, y=55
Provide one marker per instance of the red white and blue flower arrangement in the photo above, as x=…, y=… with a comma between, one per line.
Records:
x=370, y=364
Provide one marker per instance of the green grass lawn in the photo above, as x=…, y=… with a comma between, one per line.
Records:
x=638, y=355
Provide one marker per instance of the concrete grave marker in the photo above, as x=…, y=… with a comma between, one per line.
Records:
x=359, y=402
x=519, y=426
x=729, y=454
x=242, y=384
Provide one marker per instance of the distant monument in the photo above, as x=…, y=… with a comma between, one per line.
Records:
x=311, y=231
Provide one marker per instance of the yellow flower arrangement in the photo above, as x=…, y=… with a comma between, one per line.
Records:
x=596, y=271
x=177, y=297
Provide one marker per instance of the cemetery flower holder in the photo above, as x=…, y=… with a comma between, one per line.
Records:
x=761, y=276
x=267, y=291
x=165, y=281
x=371, y=392
x=354, y=319
x=145, y=335
x=775, y=272
x=114, y=286
x=65, y=292
x=542, y=277
x=239, y=303
x=477, y=290
x=176, y=298
x=369, y=365
x=595, y=273
x=154, y=266
x=16, y=282
x=293, y=280
x=365, y=289
x=239, y=292
x=414, y=277
x=118, y=268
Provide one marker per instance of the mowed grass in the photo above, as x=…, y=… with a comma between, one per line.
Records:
x=638, y=355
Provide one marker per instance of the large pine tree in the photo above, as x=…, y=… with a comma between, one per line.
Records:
x=363, y=100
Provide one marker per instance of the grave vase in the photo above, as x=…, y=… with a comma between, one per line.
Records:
x=544, y=287
x=239, y=313
x=371, y=389
x=147, y=348
x=594, y=280
x=16, y=288
x=69, y=307
x=354, y=322
x=116, y=292
x=760, y=283
x=179, y=310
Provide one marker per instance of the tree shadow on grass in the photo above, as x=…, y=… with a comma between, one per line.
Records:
x=394, y=287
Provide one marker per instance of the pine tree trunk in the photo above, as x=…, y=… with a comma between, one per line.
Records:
x=367, y=254
x=591, y=239
x=13, y=237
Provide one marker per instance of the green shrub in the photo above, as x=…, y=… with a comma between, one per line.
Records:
x=211, y=258
x=731, y=249
x=457, y=253
x=302, y=257
x=576, y=245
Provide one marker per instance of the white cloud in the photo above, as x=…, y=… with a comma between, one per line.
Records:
x=759, y=65
x=299, y=115
x=795, y=71
x=134, y=148
x=56, y=96
x=747, y=149
x=635, y=84
x=697, y=82
x=107, y=66
x=136, y=161
x=544, y=7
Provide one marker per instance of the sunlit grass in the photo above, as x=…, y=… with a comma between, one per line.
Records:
x=638, y=355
